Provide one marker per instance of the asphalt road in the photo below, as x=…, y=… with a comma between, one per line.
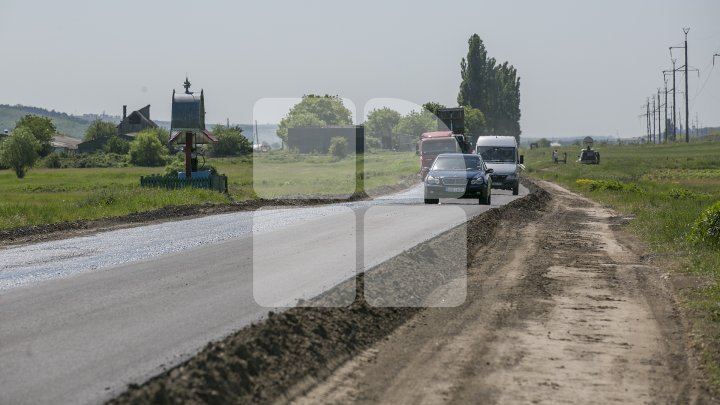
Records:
x=83, y=317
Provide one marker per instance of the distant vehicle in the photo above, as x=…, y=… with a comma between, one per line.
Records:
x=458, y=175
x=434, y=143
x=589, y=157
x=500, y=153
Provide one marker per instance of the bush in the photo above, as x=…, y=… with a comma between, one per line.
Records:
x=147, y=150
x=117, y=145
x=175, y=165
x=52, y=161
x=706, y=229
x=99, y=160
x=338, y=147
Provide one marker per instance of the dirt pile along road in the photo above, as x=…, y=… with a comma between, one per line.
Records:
x=560, y=309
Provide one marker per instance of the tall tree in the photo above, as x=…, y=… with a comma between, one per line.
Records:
x=42, y=128
x=19, y=151
x=474, y=122
x=315, y=111
x=492, y=88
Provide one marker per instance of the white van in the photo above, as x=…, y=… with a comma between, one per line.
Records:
x=500, y=153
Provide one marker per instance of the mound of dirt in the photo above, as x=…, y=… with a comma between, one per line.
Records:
x=286, y=352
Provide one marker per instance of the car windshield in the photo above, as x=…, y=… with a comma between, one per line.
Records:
x=497, y=153
x=439, y=145
x=456, y=163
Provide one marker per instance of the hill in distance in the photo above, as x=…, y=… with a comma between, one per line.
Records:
x=70, y=125
x=76, y=125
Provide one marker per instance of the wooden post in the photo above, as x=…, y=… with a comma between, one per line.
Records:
x=188, y=154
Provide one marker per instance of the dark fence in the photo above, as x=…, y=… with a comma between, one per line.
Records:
x=214, y=182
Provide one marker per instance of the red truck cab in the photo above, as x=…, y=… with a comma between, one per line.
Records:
x=434, y=143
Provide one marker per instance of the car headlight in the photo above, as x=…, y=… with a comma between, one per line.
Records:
x=477, y=180
x=432, y=180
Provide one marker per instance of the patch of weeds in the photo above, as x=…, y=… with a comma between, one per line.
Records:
x=706, y=229
x=684, y=194
x=611, y=185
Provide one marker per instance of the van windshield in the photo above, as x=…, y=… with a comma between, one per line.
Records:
x=504, y=154
x=439, y=145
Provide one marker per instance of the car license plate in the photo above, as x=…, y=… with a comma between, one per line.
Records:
x=455, y=189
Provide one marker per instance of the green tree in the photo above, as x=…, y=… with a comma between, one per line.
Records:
x=147, y=150
x=315, y=111
x=99, y=129
x=474, y=122
x=231, y=142
x=493, y=89
x=117, y=145
x=380, y=123
x=19, y=151
x=42, y=128
x=543, y=143
x=162, y=134
x=415, y=123
x=433, y=107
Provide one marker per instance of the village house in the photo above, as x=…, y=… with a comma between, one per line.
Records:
x=130, y=125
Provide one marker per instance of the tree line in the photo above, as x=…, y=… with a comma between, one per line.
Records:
x=489, y=94
x=31, y=140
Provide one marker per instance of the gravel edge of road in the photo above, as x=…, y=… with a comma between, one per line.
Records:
x=284, y=354
x=61, y=230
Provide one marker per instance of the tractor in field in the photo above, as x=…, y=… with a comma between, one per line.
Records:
x=589, y=156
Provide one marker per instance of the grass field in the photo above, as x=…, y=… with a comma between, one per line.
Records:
x=665, y=188
x=56, y=195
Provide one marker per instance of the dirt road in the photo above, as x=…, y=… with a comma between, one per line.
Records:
x=560, y=309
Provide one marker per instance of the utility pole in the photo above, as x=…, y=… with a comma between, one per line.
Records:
x=674, y=122
x=653, y=121
x=659, y=117
x=647, y=114
x=686, y=68
x=647, y=118
x=687, y=105
x=666, y=119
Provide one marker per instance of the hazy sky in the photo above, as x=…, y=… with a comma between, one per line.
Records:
x=586, y=67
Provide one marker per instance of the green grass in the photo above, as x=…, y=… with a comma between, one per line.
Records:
x=279, y=174
x=56, y=195
x=665, y=188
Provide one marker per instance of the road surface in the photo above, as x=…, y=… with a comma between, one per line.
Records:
x=84, y=317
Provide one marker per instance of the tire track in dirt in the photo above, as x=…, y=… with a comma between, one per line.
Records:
x=560, y=310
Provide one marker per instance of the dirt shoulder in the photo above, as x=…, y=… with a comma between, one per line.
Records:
x=560, y=309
